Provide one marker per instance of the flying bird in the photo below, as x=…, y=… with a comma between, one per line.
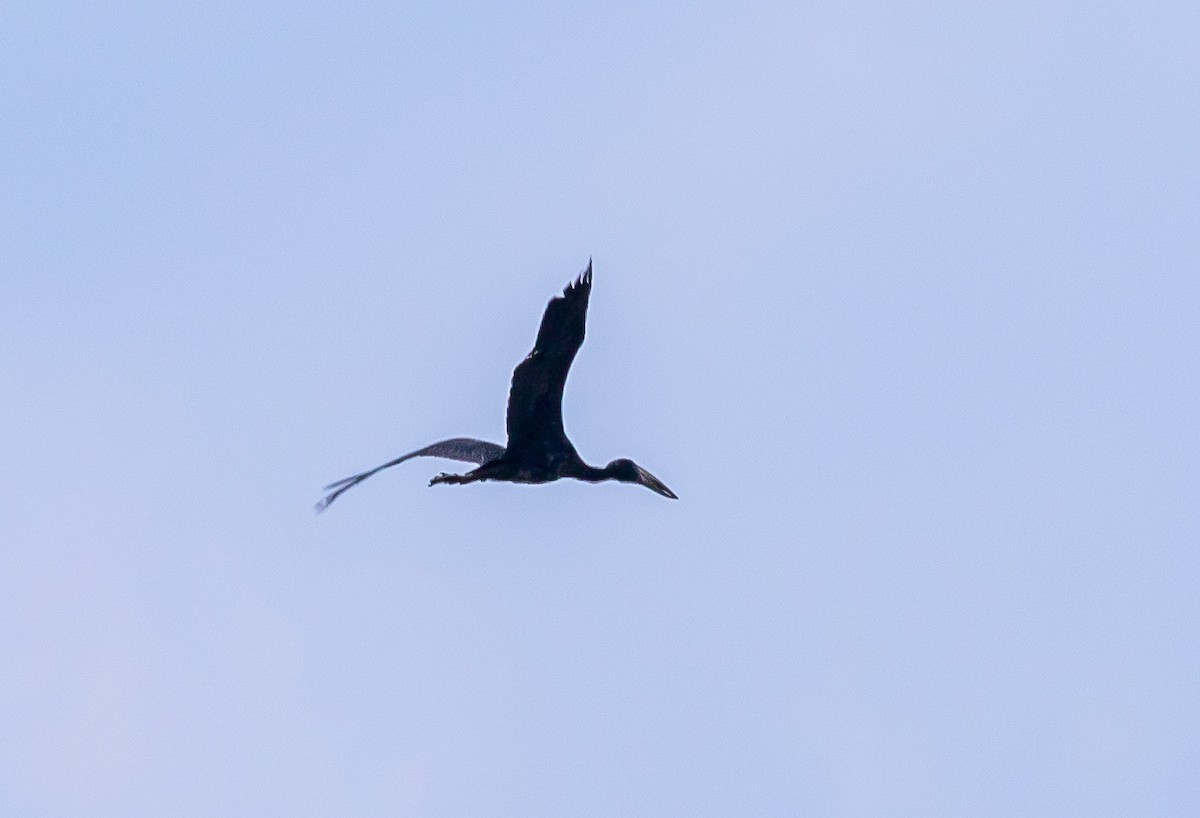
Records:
x=538, y=450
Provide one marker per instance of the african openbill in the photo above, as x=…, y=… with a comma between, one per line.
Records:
x=538, y=450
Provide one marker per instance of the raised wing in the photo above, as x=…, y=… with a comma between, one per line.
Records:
x=465, y=449
x=535, y=399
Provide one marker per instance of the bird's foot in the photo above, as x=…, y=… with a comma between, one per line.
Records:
x=446, y=478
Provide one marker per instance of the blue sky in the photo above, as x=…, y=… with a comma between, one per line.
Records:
x=900, y=299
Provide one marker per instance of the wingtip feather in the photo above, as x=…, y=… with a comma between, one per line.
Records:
x=584, y=279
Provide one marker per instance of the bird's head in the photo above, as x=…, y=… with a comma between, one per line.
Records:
x=627, y=471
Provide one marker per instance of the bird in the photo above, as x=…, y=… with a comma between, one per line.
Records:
x=538, y=450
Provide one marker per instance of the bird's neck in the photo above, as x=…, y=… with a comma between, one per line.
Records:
x=592, y=474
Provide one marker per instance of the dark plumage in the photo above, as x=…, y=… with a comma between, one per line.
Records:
x=538, y=450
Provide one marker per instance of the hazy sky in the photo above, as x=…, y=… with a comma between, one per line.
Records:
x=901, y=300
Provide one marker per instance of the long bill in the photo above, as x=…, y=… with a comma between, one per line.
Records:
x=651, y=482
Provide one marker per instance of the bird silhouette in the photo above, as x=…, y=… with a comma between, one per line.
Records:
x=538, y=450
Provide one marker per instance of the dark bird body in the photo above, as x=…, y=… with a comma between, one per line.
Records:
x=538, y=450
